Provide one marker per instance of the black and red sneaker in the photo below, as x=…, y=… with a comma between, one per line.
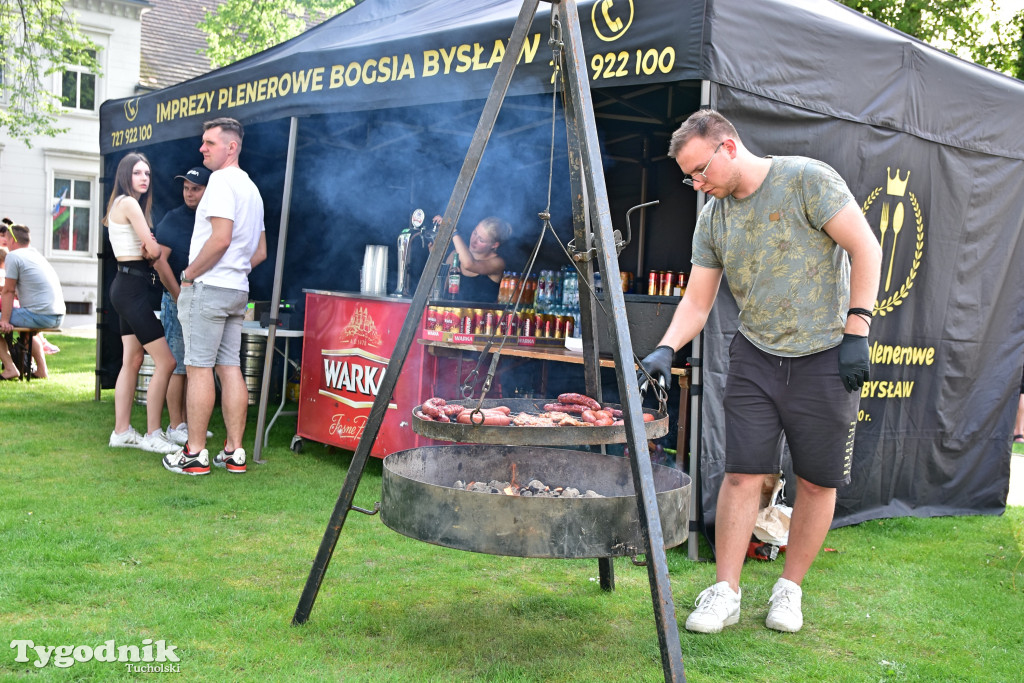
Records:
x=183, y=462
x=233, y=462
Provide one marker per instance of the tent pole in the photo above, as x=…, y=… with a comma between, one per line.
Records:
x=696, y=392
x=275, y=299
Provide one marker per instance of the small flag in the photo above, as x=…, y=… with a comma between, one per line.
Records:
x=59, y=211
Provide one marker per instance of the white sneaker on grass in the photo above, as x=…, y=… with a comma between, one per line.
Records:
x=717, y=607
x=192, y=464
x=785, y=613
x=178, y=435
x=234, y=463
x=126, y=439
x=156, y=442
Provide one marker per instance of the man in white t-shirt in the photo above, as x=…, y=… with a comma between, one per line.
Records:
x=31, y=279
x=228, y=242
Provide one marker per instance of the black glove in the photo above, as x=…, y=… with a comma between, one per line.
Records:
x=853, y=361
x=658, y=365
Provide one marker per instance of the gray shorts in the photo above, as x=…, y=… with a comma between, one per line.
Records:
x=211, y=324
x=767, y=396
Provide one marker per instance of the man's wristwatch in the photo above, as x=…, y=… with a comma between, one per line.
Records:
x=186, y=280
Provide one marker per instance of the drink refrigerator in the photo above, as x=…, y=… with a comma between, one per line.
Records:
x=348, y=342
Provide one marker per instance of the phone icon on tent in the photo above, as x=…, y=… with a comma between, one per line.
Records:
x=614, y=24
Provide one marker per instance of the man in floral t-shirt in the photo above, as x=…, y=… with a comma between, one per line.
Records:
x=803, y=266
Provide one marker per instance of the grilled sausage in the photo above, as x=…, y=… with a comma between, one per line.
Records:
x=571, y=408
x=579, y=399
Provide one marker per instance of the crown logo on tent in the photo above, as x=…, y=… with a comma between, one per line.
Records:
x=894, y=185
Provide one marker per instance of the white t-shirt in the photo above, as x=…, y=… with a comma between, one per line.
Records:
x=229, y=194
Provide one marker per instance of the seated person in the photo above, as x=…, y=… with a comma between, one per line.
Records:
x=35, y=283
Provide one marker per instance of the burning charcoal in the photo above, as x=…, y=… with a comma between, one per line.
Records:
x=525, y=493
x=592, y=494
x=495, y=484
x=536, y=486
x=479, y=487
x=570, y=492
x=460, y=484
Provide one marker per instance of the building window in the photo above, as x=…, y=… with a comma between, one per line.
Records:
x=71, y=210
x=78, y=87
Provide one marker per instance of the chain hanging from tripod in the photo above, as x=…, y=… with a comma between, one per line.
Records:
x=513, y=306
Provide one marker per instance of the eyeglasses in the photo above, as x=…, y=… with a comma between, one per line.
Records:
x=688, y=180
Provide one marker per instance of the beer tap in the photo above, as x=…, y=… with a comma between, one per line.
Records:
x=414, y=229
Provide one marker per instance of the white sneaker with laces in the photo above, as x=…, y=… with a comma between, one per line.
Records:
x=126, y=439
x=178, y=435
x=234, y=463
x=717, y=607
x=785, y=614
x=156, y=442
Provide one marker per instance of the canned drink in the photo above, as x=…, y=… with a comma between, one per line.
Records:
x=624, y=277
x=666, y=283
x=526, y=325
x=478, y=321
x=570, y=326
x=559, y=327
x=467, y=321
x=513, y=325
x=652, y=283
x=431, y=322
x=489, y=323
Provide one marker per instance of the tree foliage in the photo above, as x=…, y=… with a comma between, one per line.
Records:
x=966, y=28
x=39, y=37
x=239, y=28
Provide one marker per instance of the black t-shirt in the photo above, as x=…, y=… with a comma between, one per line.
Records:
x=174, y=231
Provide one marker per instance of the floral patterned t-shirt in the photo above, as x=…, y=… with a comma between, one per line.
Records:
x=789, y=278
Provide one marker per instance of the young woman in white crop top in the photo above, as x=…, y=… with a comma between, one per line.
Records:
x=128, y=223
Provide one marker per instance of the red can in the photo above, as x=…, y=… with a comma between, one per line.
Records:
x=467, y=322
x=666, y=283
x=652, y=283
x=431, y=322
x=526, y=326
x=489, y=323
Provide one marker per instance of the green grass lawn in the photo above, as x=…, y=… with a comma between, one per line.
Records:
x=101, y=544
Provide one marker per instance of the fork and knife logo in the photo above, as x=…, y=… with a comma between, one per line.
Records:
x=897, y=226
x=895, y=187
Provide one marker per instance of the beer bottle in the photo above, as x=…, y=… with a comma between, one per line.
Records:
x=454, y=276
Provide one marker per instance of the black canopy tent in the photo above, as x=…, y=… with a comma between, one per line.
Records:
x=387, y=95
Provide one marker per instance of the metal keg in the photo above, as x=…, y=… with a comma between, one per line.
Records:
x=254, y=350
x=145, y=375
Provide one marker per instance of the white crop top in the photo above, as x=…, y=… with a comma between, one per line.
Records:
x=123, y=238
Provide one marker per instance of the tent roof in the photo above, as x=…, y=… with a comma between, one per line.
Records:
x=815, y=54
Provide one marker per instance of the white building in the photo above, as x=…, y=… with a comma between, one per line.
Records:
x=69, y=165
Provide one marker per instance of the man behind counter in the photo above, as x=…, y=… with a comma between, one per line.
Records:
x=174, y=234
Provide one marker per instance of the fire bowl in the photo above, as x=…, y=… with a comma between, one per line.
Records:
x=419, y=500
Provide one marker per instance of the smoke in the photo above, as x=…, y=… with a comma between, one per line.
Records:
x=360, y=175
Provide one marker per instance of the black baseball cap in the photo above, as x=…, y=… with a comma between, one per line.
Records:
x=200, y=175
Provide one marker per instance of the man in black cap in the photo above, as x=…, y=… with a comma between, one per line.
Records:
x=174, y=234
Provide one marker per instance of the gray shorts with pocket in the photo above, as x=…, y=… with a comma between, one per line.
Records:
x=211, y=324
x=803, y=398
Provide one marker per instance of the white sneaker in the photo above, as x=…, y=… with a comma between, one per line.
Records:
x=126, y=439
x=178, y=435
x=234, y=463
x=184, y=463
x=785, y=614
x=717, y=607
x=156, y=442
